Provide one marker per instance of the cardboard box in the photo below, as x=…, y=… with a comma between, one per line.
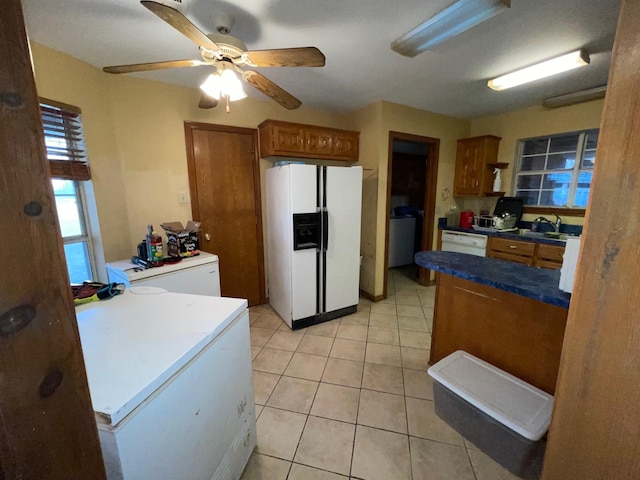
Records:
x=182, y=241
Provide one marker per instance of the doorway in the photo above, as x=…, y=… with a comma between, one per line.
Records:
x=224, y=184
x=411, y=198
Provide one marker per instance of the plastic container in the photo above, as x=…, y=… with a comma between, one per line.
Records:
x=502, y=415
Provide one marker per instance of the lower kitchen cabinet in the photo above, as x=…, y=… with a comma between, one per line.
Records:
x=517, y=334
x=549, y=256
x=528, y=253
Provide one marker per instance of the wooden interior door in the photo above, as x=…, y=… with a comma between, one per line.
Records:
x=224, y=180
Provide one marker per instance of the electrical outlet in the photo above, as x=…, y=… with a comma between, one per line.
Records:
x=183, y=198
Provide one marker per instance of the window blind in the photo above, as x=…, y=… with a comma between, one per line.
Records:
x=64, y=141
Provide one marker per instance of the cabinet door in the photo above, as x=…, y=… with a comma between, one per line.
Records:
x=513, y=246
x=469, y=164
x=550, y=252
x=288, y=139
x=547, y=264
x=319, y=142
x=345, y=145
x=512, y=257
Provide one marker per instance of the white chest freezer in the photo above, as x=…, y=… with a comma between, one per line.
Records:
x=171, y=384
x=199, y=275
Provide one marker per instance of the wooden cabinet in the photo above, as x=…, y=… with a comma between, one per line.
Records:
x=287, y=139
x=549, y=256
x=517, y=334
x=476, y=158
x=528, y=253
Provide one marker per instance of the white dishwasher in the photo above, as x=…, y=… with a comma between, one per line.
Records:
x=463, y=242
x=199, y=275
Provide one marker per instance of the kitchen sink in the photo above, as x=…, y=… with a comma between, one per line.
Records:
x=528, y=233
x=551, y=235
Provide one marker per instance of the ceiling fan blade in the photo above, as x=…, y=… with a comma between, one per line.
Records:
x=207, y=102
x=286, y=57
x=270, y=89
x=181, y=23
x=144, y=67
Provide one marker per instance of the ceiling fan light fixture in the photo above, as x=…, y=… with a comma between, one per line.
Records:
x=225, y=84
x=556, y=65
x=453, y=20
x=211, y=86
x=231, y=86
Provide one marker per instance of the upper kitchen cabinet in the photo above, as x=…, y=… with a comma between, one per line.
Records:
x=287, y=139
x=476, y=158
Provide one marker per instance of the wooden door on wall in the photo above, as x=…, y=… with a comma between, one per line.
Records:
x=224, y=182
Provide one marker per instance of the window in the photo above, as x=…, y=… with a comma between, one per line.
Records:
x=556, y=171
x=64, y=141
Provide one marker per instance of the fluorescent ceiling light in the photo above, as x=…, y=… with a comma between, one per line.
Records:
x=560, y=64
x=451, y=21
x=575, y=97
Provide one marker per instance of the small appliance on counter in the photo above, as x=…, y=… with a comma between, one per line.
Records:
x=466, y=219
x=505, y=218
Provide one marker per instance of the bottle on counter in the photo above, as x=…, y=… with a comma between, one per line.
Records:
x=154, y=248
x=497, y=183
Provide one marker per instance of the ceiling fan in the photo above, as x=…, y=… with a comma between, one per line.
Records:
x=225, y=52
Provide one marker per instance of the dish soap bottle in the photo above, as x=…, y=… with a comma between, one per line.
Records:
x=497, y=183
x=154, y=248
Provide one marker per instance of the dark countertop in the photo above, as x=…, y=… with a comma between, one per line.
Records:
x=531, y=282
x=509, y=235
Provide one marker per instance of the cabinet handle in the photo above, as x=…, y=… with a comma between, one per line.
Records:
x=513, y=246
x=207, y=236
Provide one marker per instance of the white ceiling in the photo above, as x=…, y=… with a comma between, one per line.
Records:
x=355, y=36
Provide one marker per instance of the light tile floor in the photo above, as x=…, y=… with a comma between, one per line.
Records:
x=351, y=398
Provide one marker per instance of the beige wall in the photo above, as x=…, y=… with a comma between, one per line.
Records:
x=533, y=122
x=368, y=122
x=375, y=122
x=62, y=78
x=135, y=140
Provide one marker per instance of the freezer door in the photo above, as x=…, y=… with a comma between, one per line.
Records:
x=344, y=203
x=303, y=194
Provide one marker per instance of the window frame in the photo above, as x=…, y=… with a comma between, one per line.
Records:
x=77, y=172
x=575, y=172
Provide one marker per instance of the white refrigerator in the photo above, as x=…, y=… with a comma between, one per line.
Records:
x=313, y=225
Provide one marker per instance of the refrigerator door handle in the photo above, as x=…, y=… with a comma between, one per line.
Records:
x=325, y=229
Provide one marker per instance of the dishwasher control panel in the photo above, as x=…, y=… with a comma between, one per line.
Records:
x=463, y=242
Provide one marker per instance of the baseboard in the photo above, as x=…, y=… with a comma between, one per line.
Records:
x=373, y=298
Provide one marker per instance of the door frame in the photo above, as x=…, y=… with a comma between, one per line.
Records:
x=189, y=127
x=429, y=205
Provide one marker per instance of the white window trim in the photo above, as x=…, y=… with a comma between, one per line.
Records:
x=575, y=171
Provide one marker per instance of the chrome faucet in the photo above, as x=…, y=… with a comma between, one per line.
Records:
x=556, y=225
x=558, y=222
